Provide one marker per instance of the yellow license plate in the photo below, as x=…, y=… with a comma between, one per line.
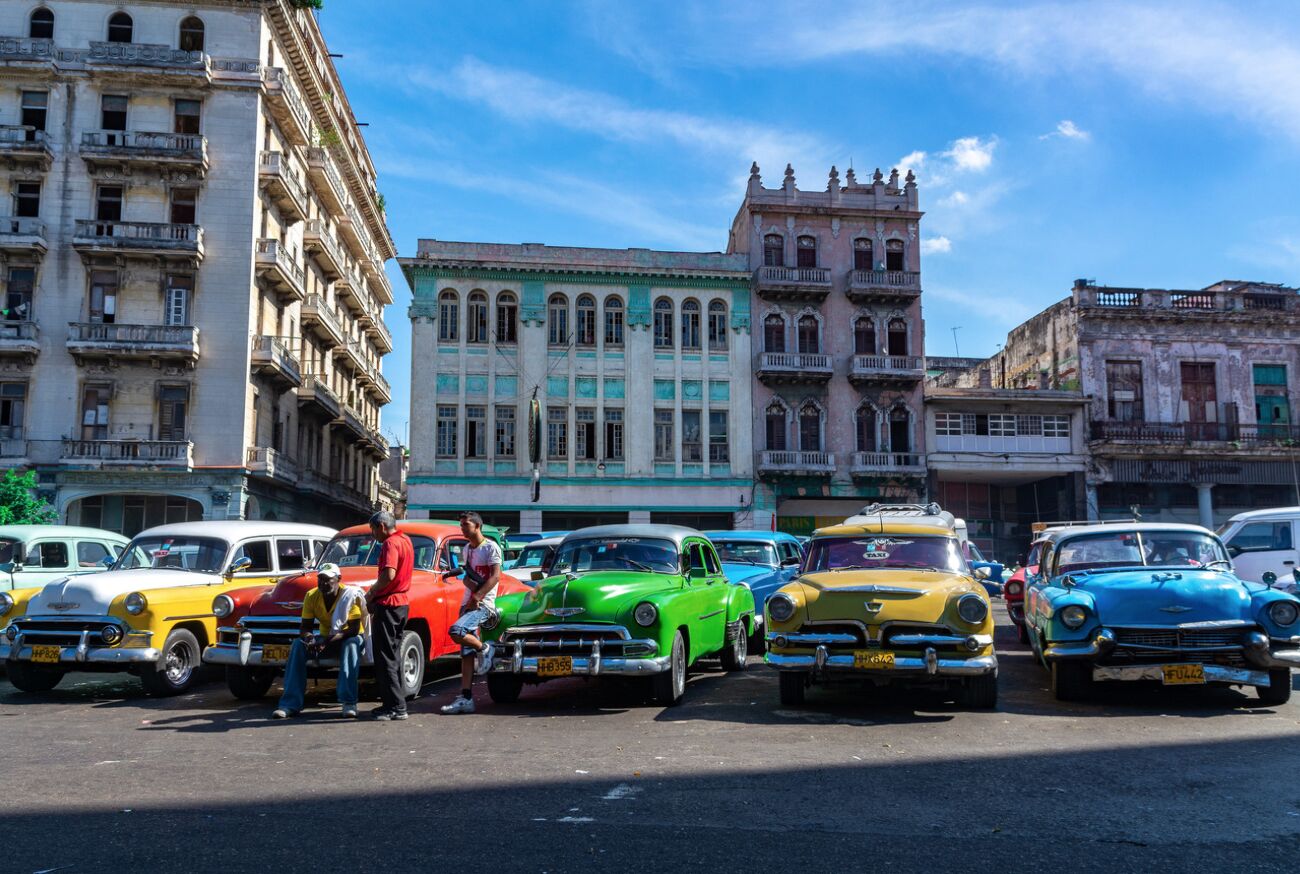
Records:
x=1183, y=675
x=873, y=660
x=275, y=652
x=47, y=655
x=554, y=666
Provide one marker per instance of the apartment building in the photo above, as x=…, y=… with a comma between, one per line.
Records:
x=192, y=265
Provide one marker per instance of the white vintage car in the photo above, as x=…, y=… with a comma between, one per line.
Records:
x=33, y=555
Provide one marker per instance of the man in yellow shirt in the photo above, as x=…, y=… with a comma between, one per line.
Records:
x=332, y=617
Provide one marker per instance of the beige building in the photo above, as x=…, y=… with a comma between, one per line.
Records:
x=191, y=258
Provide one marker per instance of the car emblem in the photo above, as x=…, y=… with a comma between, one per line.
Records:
x=563, y=611
x=289, y=605
x=64, y=605
x=1177, y=608
x=874, y=606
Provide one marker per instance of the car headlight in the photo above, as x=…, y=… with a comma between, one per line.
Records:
x=135, y=603
x=1012, y=589
x=12, y=633
x=780, y=607
x=223, y=606
x=1073, y=616
x=972, y=609
x=6, y=603
x=1284, y=613
x=645, y=614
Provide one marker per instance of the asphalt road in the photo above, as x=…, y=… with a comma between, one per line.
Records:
x=98, y=777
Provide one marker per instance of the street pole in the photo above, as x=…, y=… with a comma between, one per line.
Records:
x=955, y=347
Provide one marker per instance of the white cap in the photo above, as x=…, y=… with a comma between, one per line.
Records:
x=329, y=569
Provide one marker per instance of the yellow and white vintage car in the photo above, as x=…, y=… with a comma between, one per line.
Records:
x=885, y=598
x=151, y=612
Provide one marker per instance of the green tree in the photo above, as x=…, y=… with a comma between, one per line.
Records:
x=18, y=502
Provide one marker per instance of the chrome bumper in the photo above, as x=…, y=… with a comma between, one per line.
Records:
x=83, y=654
x=584, y=666
x=1102, y=644
x=928, y=665
x=1213, y=674
x=1017, y=612
x=251, y=657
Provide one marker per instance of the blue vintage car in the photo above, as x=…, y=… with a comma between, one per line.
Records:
x=762, y=560
x=1161, y=602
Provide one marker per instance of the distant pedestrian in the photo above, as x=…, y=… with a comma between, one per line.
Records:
x=477, y=605
x=389, y=600
x=333, y=617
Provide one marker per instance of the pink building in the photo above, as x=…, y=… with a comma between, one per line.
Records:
x=838, y=345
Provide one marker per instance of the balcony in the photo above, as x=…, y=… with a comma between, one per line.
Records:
x=887, y=464
x=326, y=180
x=275, y=361
x=370, y=378
x=792, y=463
x=148, y=62
x=271, y=464
x=284, y=185
x=316, y=394
x=886, y=370
x=354, y=233
x=20, y=340
x=800, y=284
x=884, y=286
x=379, y=332
x=321, y=244
x=287, y=105
x=118, y=148
x=351, y=353
x=786, y=368
x=25, y=145
x=130, y=453
x=143, y=239
x=350, y=288
x=351, y=424
x=380, y=287
x=319, y=316
x=95, y=340
x=284, y=275
x=20, y=52
x=1190, y=433
x=22, y=236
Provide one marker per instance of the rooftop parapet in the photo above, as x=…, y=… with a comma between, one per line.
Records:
x=1223, y=296
x=877, y=195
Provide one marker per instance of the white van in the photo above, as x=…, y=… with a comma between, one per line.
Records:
x=1264, y=540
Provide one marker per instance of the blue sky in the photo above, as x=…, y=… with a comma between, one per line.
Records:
x=1149, y=144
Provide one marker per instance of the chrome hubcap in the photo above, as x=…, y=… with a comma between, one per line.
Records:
x=679, y=667
x=410, y=666
x=178, y=664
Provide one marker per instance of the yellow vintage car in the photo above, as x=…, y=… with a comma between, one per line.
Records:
x=885, y=598
x=151, y=612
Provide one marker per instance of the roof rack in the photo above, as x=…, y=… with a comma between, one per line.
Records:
x=1040, y=527
x=878, y=509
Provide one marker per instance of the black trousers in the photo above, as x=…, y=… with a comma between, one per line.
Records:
x=386, y=627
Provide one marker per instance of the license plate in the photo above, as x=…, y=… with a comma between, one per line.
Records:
x=48, y=655
x=1183, y=675
x=873, y=660
x=554, y=666
x=275, y=652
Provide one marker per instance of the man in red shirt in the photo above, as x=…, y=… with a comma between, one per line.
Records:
x=388, y=600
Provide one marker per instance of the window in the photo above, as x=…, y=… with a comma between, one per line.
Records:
x=691, y=448
x=108, y=203
x=112, y=116
x=1272, y=407
x=1056, y=426
x=774, y=250
x=180, y=287
x=948, y=424
x=50, y=554
x=718, y=451
x=808, y=339
x=27, y=199
x=862, y=254
x=613, y=321
x=584, y=433
x=586, y=326
x=774, y=334
x=810, y=429
x=665, y=448
x=1262, y=537
x=1200, y=398
x=292, y=554
x=507, y=319
x=259, y=553
x=476, y=324
x=448, y=317
x=711, y=561
x=663, y=323
x=191, y=37
x=894, y=255
x=35, y=106
x=776, y=431
x=91, y=554
x=187, y=117
x=1002, y=425
x=475, y=431
x=557, y=319
x=13, y=403
x=18, y=294
x=505, y=432
x=445, y=436
x=806, y=248
x=865, y=428
x=1124, y=391
x=864, y=337
x=614, y=434
x=900, y=430
x=94, y=412
x=183, y=205
x=103, y=296
x=696, y=555
x=120, y=28
x=172, y=403
x=691, y=324
x=41, y=24
x=557, y=433
x=896, y=337
x=717, y=326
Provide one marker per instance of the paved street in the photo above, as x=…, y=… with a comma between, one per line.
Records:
x=99, y=777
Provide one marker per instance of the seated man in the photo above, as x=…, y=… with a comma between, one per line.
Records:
x=339, y=612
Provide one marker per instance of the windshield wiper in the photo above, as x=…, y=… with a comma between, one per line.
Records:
x=638, y=565
x=739, y=561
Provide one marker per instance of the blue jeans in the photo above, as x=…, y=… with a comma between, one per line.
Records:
x=469, y=624
x=295, y=673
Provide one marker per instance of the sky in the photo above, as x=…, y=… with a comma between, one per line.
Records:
x=1138, y=144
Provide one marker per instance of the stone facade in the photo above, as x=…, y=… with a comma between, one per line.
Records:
x=192, y=265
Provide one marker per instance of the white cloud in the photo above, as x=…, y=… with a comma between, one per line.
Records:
x=972, y=153
x=936, y=246
x=1068, y=130
x=957, y=198
x=912, y=161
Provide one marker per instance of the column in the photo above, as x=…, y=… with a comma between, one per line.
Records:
x=1090, y=498
x=1205, y=504
x=530, y=520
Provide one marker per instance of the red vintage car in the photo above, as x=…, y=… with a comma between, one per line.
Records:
x=1013, y=593
x=259, y=624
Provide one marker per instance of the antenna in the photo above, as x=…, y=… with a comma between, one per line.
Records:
x=955, y=347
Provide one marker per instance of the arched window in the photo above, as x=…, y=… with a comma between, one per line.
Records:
x=774, y=250
x=862, y=253
x=806, y=248
x=776, y=428
x=557, y=320
x=900, y=430
x=717, y=326
x=507, y=318
x=897, y=337
x=663, y=323
x=864, y=337
x=774, y=334
x=613, y=321
x=191, y=35
x=476, y=325
x=810, y=428
x=120, y=28
x=691, y=324
x=809, y=342
x=448, y=317
x=865, y=426
x=585, y=335
x=894, y=255
x=41, y=24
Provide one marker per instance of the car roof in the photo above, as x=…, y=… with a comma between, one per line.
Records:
x=1272, y=513
x=932, y=525
x=544, y=541
x=762, y=536
x=25, y=531
x=412, y=526
x=676, y=533
x=238, y=529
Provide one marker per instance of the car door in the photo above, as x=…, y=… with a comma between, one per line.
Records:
x=450, y=590
x=91, y=555
x=47, y=559
x=788, y=551
x=1264, y=545
x=1038, y=553
x=708, y=594
x=259, y=551
x=292, y=554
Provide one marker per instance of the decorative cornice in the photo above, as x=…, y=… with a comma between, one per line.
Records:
x=734, y=281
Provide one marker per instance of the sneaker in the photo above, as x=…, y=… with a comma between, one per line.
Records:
x=281, y=713
x=483, y=661
x=460, y=705
x=390, y=715
x=349, y=711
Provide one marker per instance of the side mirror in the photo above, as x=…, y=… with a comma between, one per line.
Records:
x=537, y=576
x=982, y=573
x=1269, y=578
x=239, y=565
x=1234, y=551
x=10, y=566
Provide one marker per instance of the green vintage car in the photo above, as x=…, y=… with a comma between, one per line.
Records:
x=627, y=601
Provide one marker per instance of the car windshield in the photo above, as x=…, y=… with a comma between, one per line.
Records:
x=1137, y=549
x=10, y=549
x=871, y=552
x=533, y=556
x=617, y=553
x=357, y=550
x=746, y=551
x=204, y=555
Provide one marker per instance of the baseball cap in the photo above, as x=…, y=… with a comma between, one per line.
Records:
x=329, y=569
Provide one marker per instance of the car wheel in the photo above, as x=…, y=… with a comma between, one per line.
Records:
x=249, y=684
x=669, y=686
x=1022, y=634
x=1278, y=690
x=735, y=654
x=31, y=678
x=177, y=664
x=410, y=661
x=980, y=692
x=505, y=688
x=1071, y=681
x=793, y=684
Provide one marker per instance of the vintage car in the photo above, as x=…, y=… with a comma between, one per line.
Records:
x=33, y=555
x=623, y=600
x=259, y=624
x=150, y=613
x=534, y=559
x=1156, y=601
x=762, y=560
x=1013, y=592
x=517, y=544
x=889, y=600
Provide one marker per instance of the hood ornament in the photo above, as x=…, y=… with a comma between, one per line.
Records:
x=289, y=605
x=562, y=612
x=874, y=606
x=1176, y=608
x=64, y=605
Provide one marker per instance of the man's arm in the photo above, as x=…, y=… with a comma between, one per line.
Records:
x=387, y=572
x=352, y=629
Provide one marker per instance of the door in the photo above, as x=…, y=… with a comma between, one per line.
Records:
x=90, y=556
x=1266, y=545
x=46, y=560
x=1200, y=400
x=707, y=598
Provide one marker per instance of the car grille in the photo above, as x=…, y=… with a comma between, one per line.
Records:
x=858, y=633
x=574, y=642
x=1173, y=645
x=1174, y=638
x=62, y=632
x=266, y=629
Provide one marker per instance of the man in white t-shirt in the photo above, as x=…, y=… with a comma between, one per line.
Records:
x=482, y=574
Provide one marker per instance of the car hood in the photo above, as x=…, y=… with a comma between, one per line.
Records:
x=597, y=596
x=93, y=594
x=1175, y=597
x=739, y=573
x=915, y=596
x=285, y=597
